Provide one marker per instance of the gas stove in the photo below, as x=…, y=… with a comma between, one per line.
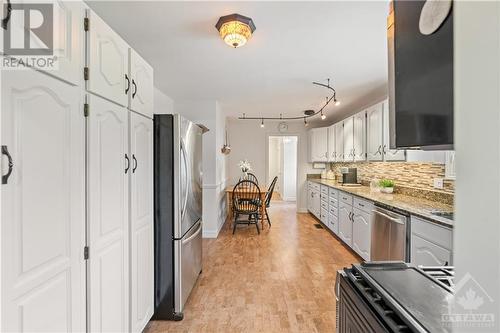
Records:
x=399, y=296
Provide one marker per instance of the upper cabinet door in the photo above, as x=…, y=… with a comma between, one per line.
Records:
x=108, y=168
x=43, y=204
x=141, y=221
x=68, y=41
x=359, y=137
x=141, y=85
x=107, y=61
x=374, y=131
x=339, y=142
x=331, y=144
x=390, y=154
x=67, y=44
x=321, y=144
x=349, y=139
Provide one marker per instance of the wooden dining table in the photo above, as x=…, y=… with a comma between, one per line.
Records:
x=262, y=195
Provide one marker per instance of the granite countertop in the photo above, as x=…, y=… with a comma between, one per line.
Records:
x=413, y=205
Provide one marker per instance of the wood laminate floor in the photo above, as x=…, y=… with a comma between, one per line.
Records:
x=279, y=281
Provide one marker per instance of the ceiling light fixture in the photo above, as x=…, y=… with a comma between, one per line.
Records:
x=235, y=29
x=306, y=113
x=262, y=124
x=305, y=122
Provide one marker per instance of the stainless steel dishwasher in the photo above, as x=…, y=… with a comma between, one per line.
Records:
x=389, y=236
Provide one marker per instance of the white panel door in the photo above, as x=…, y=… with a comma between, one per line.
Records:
x=331, y=144
x=320, y=144
x=390, y=154
x=375, y=138
x=43, y=205
x=107, y=60
x=339, y=141
x=345, y=223
x=359, y=136
x=68, y=40
x=349, y=139
x=141, y=222
x=108, y=216
x=141, y=85
x=361, y=233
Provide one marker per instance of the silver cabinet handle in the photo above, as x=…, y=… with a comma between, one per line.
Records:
x=383, y=150
x=128, y=163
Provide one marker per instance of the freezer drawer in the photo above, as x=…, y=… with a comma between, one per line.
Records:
x=188, y=259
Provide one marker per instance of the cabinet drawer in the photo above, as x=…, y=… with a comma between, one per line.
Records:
x=334, y=210
x=333, y=193
x=314, y=186
x=427, y=253
x=434, y=233
x=324, y=216
x=324, y=205
x=324, y=190
x=334, y=223
x=364, y=205
x=333, y=202
x=346, y=198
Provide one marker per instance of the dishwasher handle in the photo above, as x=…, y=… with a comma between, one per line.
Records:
x=393, y=219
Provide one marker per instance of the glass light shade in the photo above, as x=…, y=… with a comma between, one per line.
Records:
x=235, y=33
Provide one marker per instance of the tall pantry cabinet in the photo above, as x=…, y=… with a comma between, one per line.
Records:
x=76, y=193
x=122, y=114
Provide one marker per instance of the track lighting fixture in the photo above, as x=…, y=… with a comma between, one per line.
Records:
x=305, y=122
x=307, y=113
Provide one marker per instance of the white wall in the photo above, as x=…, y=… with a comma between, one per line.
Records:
x=477, y=144
x=162, y=103
x=249, y=141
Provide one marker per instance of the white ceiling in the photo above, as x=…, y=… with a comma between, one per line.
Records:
x=294, y=44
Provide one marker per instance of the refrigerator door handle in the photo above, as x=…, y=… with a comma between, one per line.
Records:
x=190, y=238
x=184, y=182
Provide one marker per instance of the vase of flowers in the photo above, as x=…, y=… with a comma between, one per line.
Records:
x=245, y=167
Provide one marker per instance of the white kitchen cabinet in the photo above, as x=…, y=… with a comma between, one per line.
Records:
x=339, y=141
x=141, y=222
x=427, y=253
x=390, y=154
x=348, y=139
x=359, y=136
x=107, y=61
x=43, y=204
x=140, y=85
x=431, y=244
x=361, y=233
x=345, y=223
x=332, y=153
x=108, y=166
x=375, y=132
x=318, y=144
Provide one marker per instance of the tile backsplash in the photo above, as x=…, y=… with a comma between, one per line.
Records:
x=418, y=175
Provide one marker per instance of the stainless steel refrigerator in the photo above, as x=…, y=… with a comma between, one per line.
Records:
x=178, y=209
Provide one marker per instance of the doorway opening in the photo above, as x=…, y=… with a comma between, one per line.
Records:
x=282, y=162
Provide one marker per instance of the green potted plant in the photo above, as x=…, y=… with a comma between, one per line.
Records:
x=386, y=186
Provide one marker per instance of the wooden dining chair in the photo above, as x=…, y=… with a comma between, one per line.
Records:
x=245, y=197
x=253, y=178
x=267, y=200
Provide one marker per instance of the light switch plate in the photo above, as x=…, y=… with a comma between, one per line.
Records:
x=439, y=183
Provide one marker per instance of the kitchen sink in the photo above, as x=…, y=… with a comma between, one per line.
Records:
x=446, y=215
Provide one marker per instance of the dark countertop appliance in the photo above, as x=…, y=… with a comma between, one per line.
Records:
x=349, y=175
x=393, y=297
x=420, y=48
